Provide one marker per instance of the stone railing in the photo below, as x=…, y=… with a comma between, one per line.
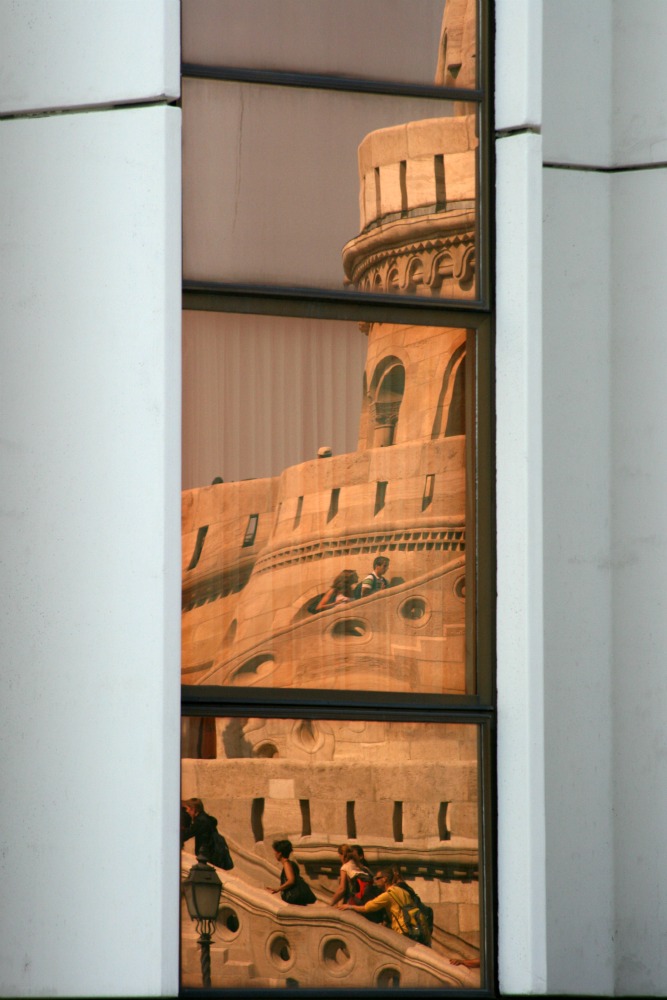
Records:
x=309, y=648
x=262, y=941
x=455, y=859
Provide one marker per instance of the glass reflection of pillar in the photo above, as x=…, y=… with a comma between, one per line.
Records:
x=385, y=408
x=385, y=418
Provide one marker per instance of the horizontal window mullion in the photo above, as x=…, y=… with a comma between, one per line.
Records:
x=213, y=700
x=324, y=303
x=316, y=81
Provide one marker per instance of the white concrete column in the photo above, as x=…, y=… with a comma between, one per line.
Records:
x=577, y=582
x=89, y=410
x=639, y=577
x=522, y=953
x=521, y=856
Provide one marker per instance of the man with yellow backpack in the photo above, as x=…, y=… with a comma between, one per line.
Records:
x=406, y=915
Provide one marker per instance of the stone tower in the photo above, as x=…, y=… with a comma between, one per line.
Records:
x=257, y=554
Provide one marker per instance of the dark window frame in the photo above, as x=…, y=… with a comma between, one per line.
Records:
x=477, y=316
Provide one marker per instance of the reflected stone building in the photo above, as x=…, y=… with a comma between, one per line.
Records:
x=259, y=554
x=408, y=792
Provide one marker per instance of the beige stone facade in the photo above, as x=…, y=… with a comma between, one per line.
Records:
x=271, y=546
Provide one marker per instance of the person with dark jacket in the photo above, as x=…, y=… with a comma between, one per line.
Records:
x=204, y=828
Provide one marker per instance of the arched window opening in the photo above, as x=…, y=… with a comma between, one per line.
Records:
x=450, y=412
x=456, y=415
x=386, y=404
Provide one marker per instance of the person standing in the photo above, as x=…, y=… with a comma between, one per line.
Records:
x=376, y=578
x=209, y=843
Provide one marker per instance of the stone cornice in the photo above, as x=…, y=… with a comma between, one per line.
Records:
x=415, y=254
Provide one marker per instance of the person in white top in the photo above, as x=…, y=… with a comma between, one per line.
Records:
x=348, y=869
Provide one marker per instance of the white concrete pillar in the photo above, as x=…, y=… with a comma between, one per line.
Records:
x=90, y=472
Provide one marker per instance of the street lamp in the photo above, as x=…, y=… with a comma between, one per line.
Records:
x=202, y=889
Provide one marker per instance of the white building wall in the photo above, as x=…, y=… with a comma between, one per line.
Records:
x=89, y=411
x=521, y=873
x=577, y=582
x=522, y=928
x=639, y=572
x=604, y=124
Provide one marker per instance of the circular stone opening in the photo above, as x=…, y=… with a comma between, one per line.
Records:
x=336, y=955
x=388, y=978
x=266, y=750
x=349, y=628
x=460, y=588
x=228, y=922
x=414, y=609
x=280, y=951
x=260, y=666
x=307, y=735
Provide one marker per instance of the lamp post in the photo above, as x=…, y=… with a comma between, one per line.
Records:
x=202, y=889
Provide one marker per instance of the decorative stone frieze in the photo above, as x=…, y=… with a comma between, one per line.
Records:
x=435, y=256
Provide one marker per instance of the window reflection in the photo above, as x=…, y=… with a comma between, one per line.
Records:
x=346, y=569
x=277, y=180
x=337, y=37
x=376, y=816
x=270, y=190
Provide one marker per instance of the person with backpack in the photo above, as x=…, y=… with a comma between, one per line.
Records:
x=348, y=869
x=375, y=579
x=363, y=887
x=404, y=916
x=426, y=910
x=293, y=887
x=209, y=843
x=356, y=881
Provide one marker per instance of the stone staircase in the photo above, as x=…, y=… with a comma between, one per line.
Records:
x=262, y=941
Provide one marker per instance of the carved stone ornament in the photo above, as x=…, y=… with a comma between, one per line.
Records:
x=385, y=414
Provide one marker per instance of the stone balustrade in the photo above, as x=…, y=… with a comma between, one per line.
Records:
x=262, y=941
x=346, y=642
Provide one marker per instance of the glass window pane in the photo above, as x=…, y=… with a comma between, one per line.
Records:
x=263, y=393
x=295, y=187
x=333, y=554
x=366, y=40
x=341, y=814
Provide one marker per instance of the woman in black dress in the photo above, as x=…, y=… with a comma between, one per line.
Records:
x=292, y=887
